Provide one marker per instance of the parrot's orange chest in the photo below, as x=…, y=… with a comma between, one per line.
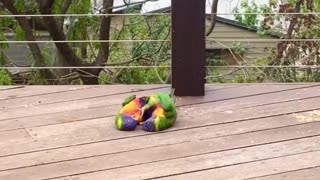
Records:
x=158, y=111
x=133, y=109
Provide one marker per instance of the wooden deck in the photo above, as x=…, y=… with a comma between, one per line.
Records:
x=245, y=131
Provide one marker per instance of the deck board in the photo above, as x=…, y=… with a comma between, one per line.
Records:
x=37, y=108
x=100, y=111
x=125, y=144
x=104, y=131
x=258, y=168
x=212, y=161
x=311, y=173
x=224, y=135
x=176, y=151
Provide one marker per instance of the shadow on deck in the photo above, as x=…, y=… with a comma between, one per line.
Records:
x=237, y=131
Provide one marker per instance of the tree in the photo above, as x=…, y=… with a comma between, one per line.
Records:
x=141, y=53
x=64, y=28
x=93, y=54
x=293, y=25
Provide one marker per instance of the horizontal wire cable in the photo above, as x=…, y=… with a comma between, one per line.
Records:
x=86, y=67
x=82, y=15
x=152, y=14
x=266, y=66
x=155, y=40
x=128, y=67
x=266, y=13
x=83, y=41
x=261, y=40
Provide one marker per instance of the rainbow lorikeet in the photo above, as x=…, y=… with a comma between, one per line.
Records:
x=164, y=113
x=130, y=114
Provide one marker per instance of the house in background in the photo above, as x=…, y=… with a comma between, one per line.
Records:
x=225, y=29
x=19, y=53
x=231, y=31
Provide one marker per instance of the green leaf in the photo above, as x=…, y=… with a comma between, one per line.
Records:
x=19, y=34
x=5, y=78
x=20, y=5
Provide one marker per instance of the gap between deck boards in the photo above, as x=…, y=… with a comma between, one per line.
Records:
x=189, y=123
x=205, y=124
x=33, y=110
x=163, y=160
x=99, y=112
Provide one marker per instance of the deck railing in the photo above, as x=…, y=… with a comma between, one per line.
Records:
x=188, y=45
x=188, y=42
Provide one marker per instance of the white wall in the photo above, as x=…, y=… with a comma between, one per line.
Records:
x=224, y=6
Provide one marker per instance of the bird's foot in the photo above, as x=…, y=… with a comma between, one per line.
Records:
x=142, y=112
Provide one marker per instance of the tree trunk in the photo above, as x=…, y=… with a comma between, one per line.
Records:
x=58, y=35
x=213, y=19
x=105, y=32
x=90, y=80
x=34, y=48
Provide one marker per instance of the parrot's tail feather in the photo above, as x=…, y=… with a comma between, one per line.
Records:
x=149, y=125
x=125, y=122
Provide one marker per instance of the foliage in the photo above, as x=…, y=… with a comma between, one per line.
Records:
x=287, y=53
x=142, y=53
x=5, y=78
x=249, y=7
x=88, y=28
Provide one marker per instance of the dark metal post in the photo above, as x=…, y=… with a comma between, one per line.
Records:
x=188, y=47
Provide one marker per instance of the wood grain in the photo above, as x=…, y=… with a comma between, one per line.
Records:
x=180, y=151
x=98, y=101
x=242, y=161
x=258, y=168
x=37, y=90
x=237, y=131
x=109, y=110
x=312, y=173
x=105, y=131
x=72, y=94
x=128, y=144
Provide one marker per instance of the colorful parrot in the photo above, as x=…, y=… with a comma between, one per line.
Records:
x=130, y=114
x=164, y=113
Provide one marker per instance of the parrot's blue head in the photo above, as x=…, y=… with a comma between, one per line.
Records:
x=143, y=100
x=148, y=112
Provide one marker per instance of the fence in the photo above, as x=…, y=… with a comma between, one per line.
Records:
x=189, y=44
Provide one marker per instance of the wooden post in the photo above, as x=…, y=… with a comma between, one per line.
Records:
x=188, y=47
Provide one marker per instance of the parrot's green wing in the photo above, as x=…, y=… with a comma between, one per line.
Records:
x=163, y=123
x=168, y=105
x=166, y=101
x=162, y=119
x=152, y=101
x=128, y=99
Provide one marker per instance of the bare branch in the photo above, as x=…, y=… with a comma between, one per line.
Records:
x=158, y=76
x=88, y=74
x=234, y=56
x=126, y=4
x=282, y=46
x=105, y=32
x=213, y=19
x=121, y=63
x=222, y=75
x=23, y=22
x=57, y=35
x=64, y=10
